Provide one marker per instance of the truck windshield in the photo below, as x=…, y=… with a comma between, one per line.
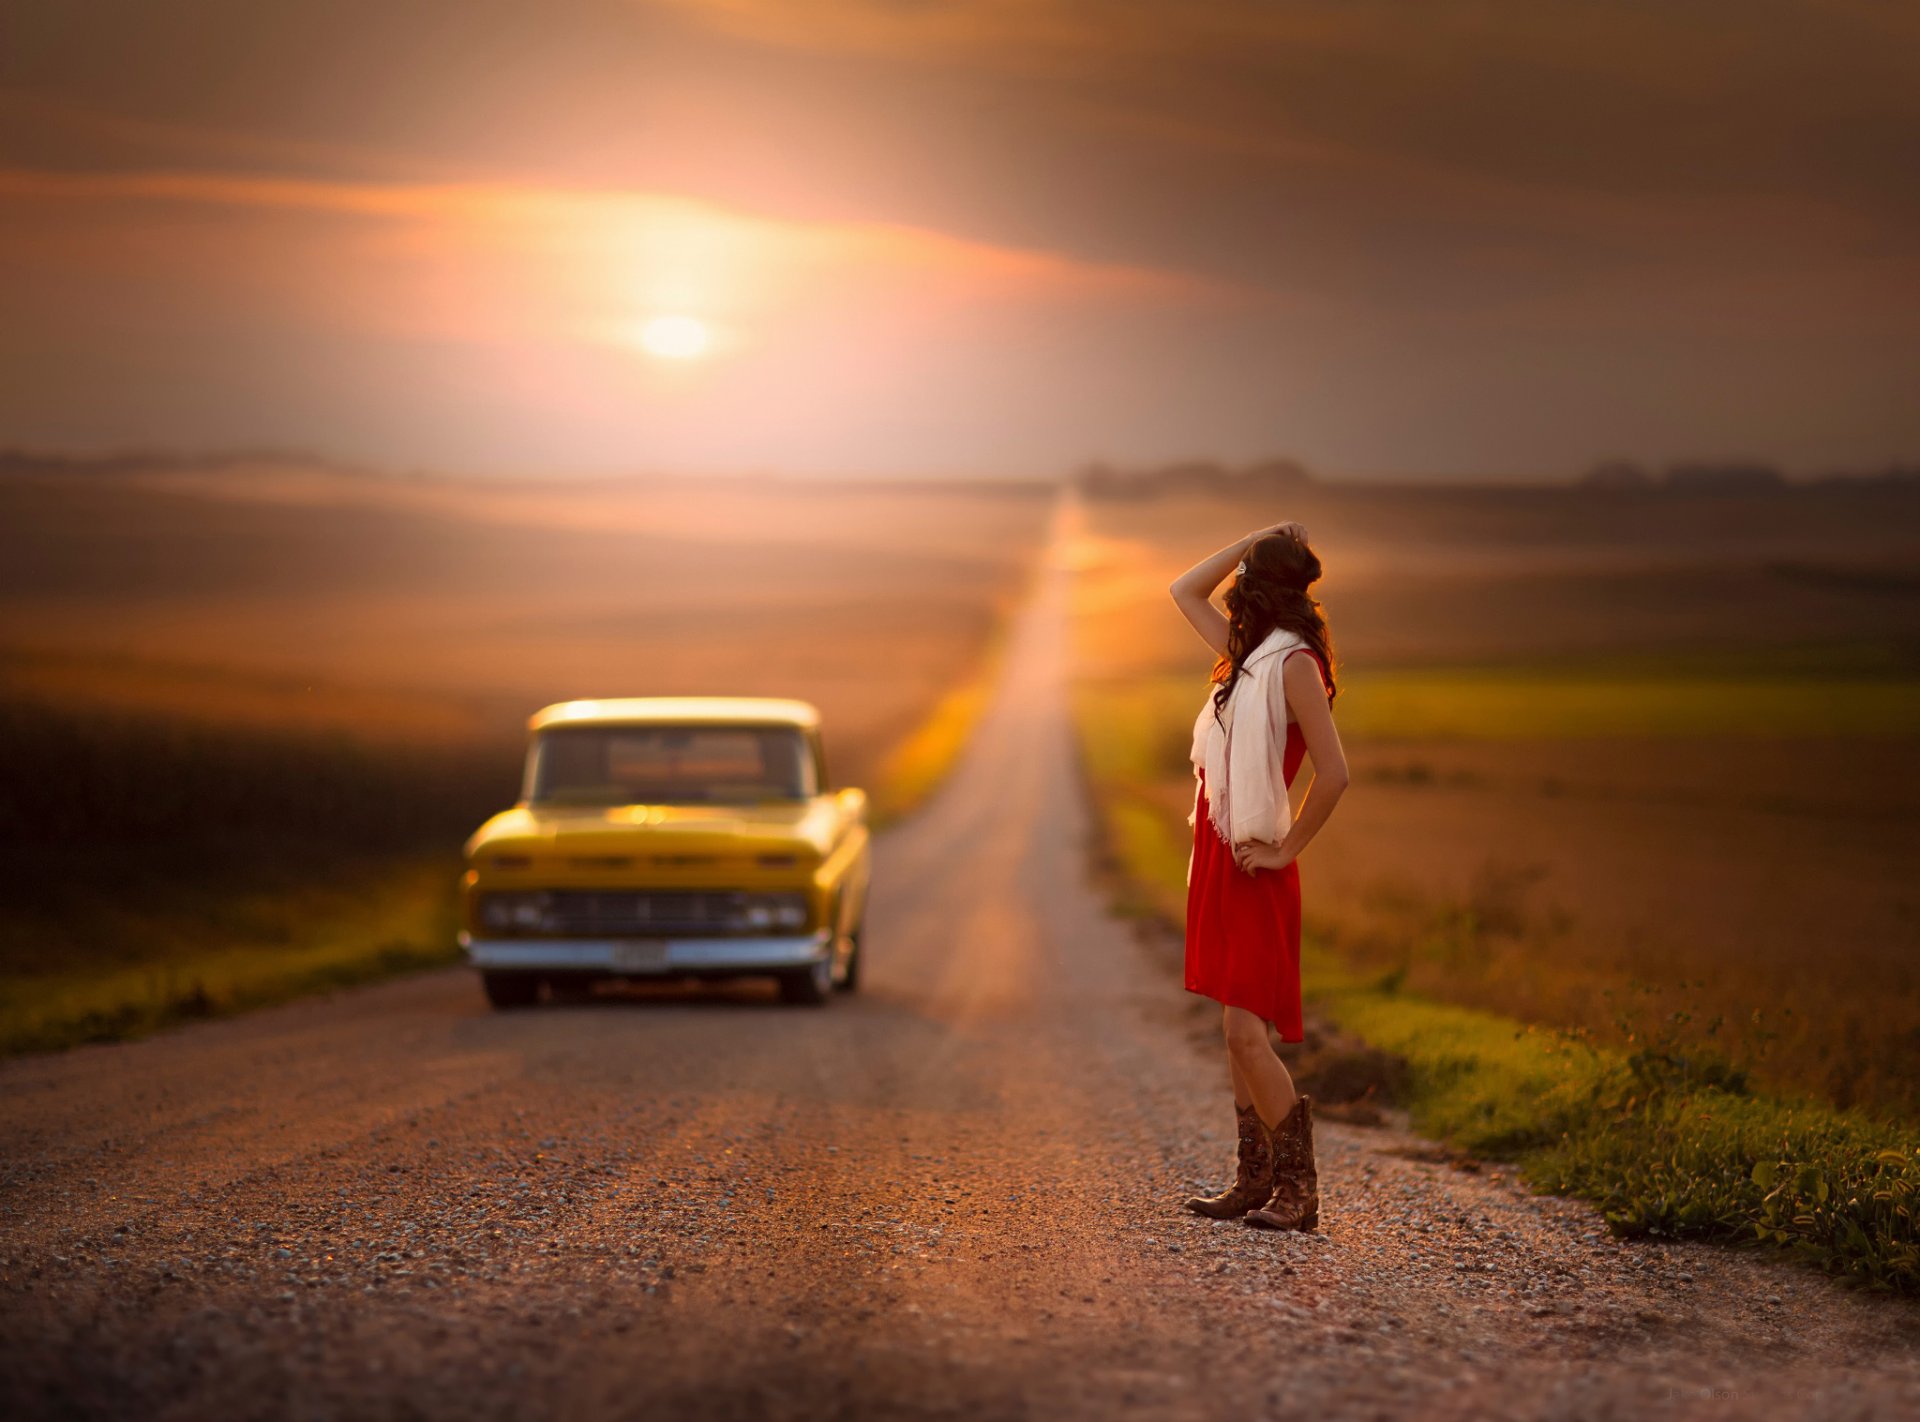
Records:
x=670, y=765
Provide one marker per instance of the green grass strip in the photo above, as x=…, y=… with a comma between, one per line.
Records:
x=919, y=763
x=1143, y=725
x=1667, y=1143
x=1522, y=705
x=917, y=766
x=401, y=923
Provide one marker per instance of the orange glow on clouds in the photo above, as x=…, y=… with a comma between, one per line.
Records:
x=513, y=326
x=492, y=262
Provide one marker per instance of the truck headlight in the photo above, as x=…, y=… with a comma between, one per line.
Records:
x=514, y=912
x=777, y=911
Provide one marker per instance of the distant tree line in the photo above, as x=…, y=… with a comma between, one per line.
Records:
x=1728, y=477
x=1267, y=476
x=44, y=463
x=1097, y=479
x=1281, y=476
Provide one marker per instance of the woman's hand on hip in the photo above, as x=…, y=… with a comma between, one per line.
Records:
x=1258, y=854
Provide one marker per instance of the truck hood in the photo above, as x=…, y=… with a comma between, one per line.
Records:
x=589, y=835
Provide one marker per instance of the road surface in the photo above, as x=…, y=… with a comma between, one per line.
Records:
x=957, y=1194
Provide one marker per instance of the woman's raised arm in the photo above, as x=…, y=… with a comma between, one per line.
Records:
x=1193, y=590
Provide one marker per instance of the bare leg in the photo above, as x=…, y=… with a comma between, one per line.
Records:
x=1242, y=1093
x=1257, y=1066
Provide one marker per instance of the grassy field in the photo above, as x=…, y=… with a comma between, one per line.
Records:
x=1624, y=775
x=251, y=713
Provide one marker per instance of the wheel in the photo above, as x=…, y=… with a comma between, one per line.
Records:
x=506, y=990
x=850, y=975
x=809, y=986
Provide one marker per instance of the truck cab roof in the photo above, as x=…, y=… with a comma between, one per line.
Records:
x=679, y=710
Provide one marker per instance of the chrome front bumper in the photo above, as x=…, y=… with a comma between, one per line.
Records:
x=645, y=957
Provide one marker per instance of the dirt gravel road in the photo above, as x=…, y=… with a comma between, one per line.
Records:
x=956, y=1194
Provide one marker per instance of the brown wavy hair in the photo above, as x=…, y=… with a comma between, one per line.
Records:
x=1273, y=593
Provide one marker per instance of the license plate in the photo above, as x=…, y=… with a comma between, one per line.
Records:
x=640, y=957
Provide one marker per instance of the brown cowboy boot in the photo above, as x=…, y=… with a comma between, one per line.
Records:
x=1254, y=1181
x=1296, y=1185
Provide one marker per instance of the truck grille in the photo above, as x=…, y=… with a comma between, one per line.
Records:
x=579, y=913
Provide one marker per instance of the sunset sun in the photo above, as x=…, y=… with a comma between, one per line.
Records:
x=675, y=337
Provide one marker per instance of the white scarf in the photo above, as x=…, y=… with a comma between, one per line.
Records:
x=1243, y=752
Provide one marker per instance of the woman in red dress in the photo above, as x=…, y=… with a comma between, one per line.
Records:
x=1270, y=706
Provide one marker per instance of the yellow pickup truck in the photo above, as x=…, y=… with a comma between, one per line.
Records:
x=667, y=838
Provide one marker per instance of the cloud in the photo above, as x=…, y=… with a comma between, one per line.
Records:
x=1726, y=96
x=499, y=261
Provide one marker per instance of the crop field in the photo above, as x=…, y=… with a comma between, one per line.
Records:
x=251, y=712
x=1642, y=766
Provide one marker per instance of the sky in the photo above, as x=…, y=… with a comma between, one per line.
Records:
x=1431, y=237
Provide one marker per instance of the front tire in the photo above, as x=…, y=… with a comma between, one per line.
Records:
x=809, y=986
x=506, y=991
x=850, y=975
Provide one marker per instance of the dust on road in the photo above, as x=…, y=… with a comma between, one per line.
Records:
x=957, y=1194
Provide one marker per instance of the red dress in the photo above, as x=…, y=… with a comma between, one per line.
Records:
x=1243, y=930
